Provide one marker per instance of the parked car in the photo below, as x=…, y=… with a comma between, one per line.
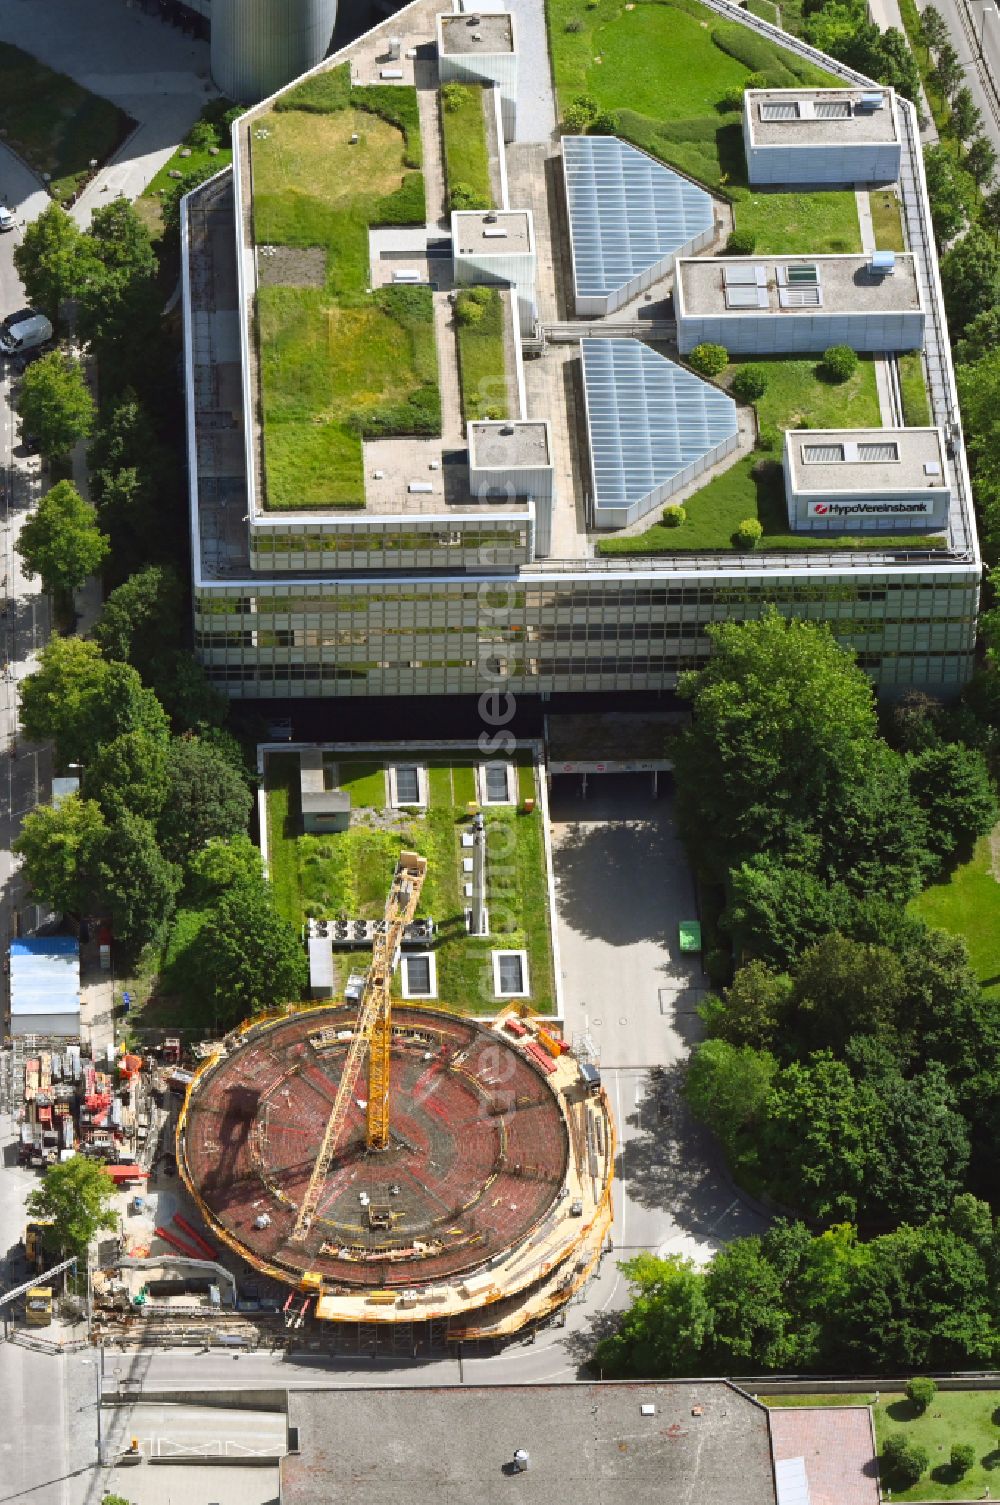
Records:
x=7, y=220
x=28, y=333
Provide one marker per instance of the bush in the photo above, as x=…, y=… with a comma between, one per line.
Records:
x=464, y=197
x=904, y=1461
x=468, y=311
x=920, y=1391
x=709, y=360
x=573, y=26
x=201, y=136
x=748, y=534
x=732, y=99
x=673, y=516
x=963, y=1456
x=749, y=383
x=451, y=98
x=741, y=243
x=839, y=362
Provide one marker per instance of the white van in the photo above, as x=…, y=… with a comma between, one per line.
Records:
x=28, y=332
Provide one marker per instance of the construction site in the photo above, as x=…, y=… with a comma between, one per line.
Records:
x=465, y=1184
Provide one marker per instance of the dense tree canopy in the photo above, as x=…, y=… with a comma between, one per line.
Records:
x=51, y=260
x=58, y=844
x=205, y=797
x=55, y=403
x=77, y=1196
x=61, y=540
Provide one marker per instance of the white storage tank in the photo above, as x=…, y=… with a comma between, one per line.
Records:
x=259, y=46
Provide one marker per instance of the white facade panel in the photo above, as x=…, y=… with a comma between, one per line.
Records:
x=478, y=68
x=801, y=333
x=829, y=166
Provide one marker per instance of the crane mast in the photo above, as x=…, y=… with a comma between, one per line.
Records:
x=374, y=1030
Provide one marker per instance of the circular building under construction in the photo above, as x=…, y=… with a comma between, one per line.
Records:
x=485, y=1205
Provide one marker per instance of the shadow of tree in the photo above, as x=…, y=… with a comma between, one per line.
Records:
x=902, y=1410
x=596, y=866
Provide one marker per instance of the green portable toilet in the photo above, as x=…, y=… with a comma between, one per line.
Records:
x=690, y=934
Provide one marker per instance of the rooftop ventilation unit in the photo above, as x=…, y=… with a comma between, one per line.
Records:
x=473, y=21
x=490, y=219
x=870, y=102
x=883, y=263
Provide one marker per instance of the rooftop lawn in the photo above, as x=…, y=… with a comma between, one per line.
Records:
x=56, y=125
x=913, y=389
x=887, y=221
x=466, y=159
x=339, y=363
x=481, y=363
x=349, y=872
x=952, y=1416
x=969, y=905
x=797, y=396
x=664, y=68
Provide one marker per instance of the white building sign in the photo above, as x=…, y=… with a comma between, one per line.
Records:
x=911, y=508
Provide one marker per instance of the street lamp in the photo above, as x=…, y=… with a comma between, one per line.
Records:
x=97, y=1377
x=987, y=9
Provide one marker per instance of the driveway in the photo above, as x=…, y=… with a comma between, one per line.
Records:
x=152, y=71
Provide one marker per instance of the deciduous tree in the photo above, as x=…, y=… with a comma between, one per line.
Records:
x=61, y=541
x=76, y=1196
x=55, y=403
x=58, y=844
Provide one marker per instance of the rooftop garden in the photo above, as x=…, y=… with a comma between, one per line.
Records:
x=466, y=156
x=479, y=321
x=338, y=362
x=798, y=394
x=56, y=125
x=348, y=873
x=669, y=75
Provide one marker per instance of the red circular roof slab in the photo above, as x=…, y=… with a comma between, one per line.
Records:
x=478, y=1149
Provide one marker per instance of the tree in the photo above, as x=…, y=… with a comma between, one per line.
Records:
x=920, y=1391
x=61, y=541
x=970, y=278
x=781, y=716
x=749, y=1309
x=843, y=988
x=777, y=911
x=668, y=1325
x=933, y=28
x=944, y=190
x=921, y=1147
x=51, y=260
x=121, y=240
x=981, y=161
x=817, y=1137
x=205, y=797
x=749, y=383
x=129, y=774
x=753, y=1010
x=963, y=1456
x=58, y=844
x=141, y=617
x=135, y=881
x=246, y=957
x=55, y=403
x=990, y=216
x=119, y=304
x=221, y=865
x=903, y=1461
x=873, y=832
x=728, y=1087
x=884, y=55
x=840, y=363
x=708, y=360
x=80, y=701
x=966, y=118
x=76, y=1197
x=947, y=74
x=952, y=784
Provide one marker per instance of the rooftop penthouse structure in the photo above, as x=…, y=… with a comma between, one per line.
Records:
x=873, y=479
x=821, y=136
x=791, y=304
x=445, y=483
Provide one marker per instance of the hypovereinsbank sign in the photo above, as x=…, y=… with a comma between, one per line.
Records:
x=914, y=508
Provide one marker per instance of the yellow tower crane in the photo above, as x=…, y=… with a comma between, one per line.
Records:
x=374, y=1030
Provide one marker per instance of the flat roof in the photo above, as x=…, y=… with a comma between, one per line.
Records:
x=647, y=418
x=45, y=975
x=492, y=232
x=837, y=1447
x=834, y=117
x=522, y=444
x=483, y=32
x=866, y=459
x=703, y=1440
x=626, y=212
x=845, y=284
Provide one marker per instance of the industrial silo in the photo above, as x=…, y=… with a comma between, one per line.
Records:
x=258, y=46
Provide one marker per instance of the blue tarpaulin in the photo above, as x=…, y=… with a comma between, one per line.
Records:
x=45, y=985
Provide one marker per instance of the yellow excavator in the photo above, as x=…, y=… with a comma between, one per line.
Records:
x=373, y=1032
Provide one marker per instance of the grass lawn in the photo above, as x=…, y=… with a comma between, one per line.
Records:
x=466, y=161
x=886, y=220
x=53, y=123
x=481, y=363
x=766, y=10
x=350, y=872
x=916, y=403
x=952, y=1416
x=969, y=905
x=664, y=67
x=786, y=1401
x=199, y=160
x=338, y=362
x=797, y=396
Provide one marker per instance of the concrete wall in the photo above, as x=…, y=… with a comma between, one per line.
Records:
x=869, y=162
x=801, y=333
x=258, y=46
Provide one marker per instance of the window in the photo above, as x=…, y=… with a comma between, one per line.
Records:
x=879, y=454
x=407, y=784
x=419, y=975
x=510, y=974
x=494, y=784
x=822, y=454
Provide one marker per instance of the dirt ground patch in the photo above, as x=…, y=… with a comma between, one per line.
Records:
x=292, y=266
